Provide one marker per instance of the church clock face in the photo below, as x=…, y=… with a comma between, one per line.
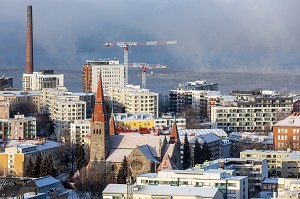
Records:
x=136, y=165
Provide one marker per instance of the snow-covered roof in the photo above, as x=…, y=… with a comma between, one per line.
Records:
x=217, y=132
x=131, y=141
x=270, y=181
x=147, y=152
x=204, y=192
x=210, y=137
x=117, y=155
x=292, y=121
x=45, y=181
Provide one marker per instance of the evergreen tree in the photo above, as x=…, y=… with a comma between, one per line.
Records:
x=44, y=167
x=197, y=153
x=51, y=170
x=186, y=153
x=124, y=172
x=81, y=161
x=206, y=151
x=37, y=166
x=30, y=168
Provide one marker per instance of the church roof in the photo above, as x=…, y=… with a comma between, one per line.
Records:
x=117, y=155
x=145, y=149
x=167, y=164
x=99, y=109
x=132, y=140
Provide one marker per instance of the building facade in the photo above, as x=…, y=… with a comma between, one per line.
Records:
x=113, y=74
x=79, y=129
x=43, y=79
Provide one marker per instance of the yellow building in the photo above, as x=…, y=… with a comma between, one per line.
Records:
x=134, y=121
x=14, y=159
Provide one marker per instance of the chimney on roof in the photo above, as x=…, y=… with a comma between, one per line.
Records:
x=29, y=42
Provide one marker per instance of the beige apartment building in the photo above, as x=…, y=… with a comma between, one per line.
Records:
x=133, y=99
x=66, y=112
x=288, y=188
x=4, y=109
x=19, y=127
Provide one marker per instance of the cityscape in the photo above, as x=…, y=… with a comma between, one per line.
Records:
x=138, y=128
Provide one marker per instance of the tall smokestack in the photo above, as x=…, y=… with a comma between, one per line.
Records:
x=29, y=42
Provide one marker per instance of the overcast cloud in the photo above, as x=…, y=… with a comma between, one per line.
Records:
x=212, y=35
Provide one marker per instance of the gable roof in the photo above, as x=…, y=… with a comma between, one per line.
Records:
x=147, y=152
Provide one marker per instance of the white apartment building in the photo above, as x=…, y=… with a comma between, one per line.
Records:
x=133, y=99
x=236, y=118
x=66, y=112
x=167, y=119
x=236, y=186
x=79, y=129
x=43, y=79
x=113, y=74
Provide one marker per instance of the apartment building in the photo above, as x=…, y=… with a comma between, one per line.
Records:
x=50, y=96
x=4, y=109
x=255, y=169
x=112, y=72
x=79, y=129
x=226, y=181
x=260, y=114
x=19, y=127
x=66, y=112
x=42, y=79
x=167, y=119
x=133, y=99
x=273, y=157
x=14, y=159
x=288, y=188
x=21, y=97
x=286, y=133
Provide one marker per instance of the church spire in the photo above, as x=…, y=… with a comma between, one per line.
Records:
x=174, y=137
x=112, y=126
x=99, y=109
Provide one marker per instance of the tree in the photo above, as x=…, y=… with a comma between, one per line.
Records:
x=197, y=153
x=186, y=153
x=23, y=105
x=206, y=151
x=51, y=170
x=44, y=169
x=29, y=172
x=124, y=172
x=81, y=161
x=37, y=166
x=191, y=118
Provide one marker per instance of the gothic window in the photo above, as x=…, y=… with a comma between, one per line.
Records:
x=136, y=165
x=100, y=131
x=94, y=131
x=97, y=131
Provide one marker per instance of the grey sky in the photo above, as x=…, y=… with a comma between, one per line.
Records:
x=212, y=35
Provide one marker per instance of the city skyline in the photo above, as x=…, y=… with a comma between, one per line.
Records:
x=231, y=35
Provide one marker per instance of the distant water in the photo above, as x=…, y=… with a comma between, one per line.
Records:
x=163, y=80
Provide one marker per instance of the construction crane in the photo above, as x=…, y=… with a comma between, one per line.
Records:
x=144, y=67
x=125, y=46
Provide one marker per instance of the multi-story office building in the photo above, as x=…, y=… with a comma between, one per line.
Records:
x=66, y=112
x=6, y=82
x=19, y=127
x=225, y=180
x=260, y=114
x=198, y=85
x=24, y=98
x=43, y=79
x=133, y=99
x=14, y=159
x=4, y=109
x=79, y=129
x=286, y=133
x=112, y=72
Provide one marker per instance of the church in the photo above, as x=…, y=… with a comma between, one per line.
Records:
x=144, y=153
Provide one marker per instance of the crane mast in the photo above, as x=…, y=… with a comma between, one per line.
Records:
x=125, y=46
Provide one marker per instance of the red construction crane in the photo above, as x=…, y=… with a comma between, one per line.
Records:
x=144, y=66
x=125, y=46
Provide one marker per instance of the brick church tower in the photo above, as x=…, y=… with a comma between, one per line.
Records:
x=99, y=132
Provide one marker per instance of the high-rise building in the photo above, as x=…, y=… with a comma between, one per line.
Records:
x=113, y=74
x=43, y=79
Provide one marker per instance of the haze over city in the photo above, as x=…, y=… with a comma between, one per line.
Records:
x=219, y=35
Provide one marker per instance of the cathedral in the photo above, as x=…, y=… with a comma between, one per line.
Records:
x=144, y=153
